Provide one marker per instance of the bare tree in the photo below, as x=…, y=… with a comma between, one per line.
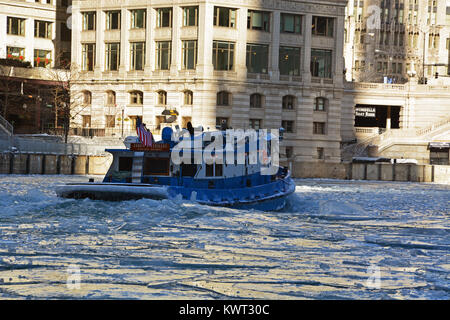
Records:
x=67, y=104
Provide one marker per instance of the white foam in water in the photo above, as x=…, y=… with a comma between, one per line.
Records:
x=322, y=245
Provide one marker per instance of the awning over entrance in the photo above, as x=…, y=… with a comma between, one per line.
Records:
x=439, y=145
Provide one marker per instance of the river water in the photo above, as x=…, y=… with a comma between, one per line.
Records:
x=335, y=240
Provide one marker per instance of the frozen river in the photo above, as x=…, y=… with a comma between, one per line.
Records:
x=335, y=240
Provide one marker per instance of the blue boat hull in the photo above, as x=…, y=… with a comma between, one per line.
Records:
x=269, y=197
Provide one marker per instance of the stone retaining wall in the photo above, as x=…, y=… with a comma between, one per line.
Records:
x=98, y=165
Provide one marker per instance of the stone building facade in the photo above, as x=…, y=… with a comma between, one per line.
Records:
x=250, y=64
x=392, y=38
x=36, y=31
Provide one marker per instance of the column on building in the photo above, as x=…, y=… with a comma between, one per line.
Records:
x=307, y=36
x=99, y=44
x=241, y=44
x=124, y=43
x=30, y=40
x=177, y=22
x=206, y=90
x=304, y=125
x=274, y=71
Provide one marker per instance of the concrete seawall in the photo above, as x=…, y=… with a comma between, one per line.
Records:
x=372, y=171
x=22, y=163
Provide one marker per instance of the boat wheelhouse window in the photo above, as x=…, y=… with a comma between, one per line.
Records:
x=125, y=163
x=188, y=170
x=219, y=170
x=210, y=171
x=156, y=166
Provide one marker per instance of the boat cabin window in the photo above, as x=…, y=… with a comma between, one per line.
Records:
x=188, y=170
x=156, y=166
x=209, y=170
x=219, y=170
x=125, y=163
x=214, y=170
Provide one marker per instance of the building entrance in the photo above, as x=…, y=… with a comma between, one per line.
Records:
x=369, y=116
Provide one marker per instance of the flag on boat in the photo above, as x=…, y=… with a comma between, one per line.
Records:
x=145, y=136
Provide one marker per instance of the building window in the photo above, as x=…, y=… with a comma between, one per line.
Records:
x=15, y=53
x=323, y=26
x=42, y=58
x=138, y=18
x=224, y=17
x=255, y=124
x=162, y=98
x=222, y=122
x=189, y=54
x=163, y=54
x=188, y=98
x=42, y=29
x=320, y=154
x=190, y=16
x=321, y=63
x=257, y=58
x=86, y=121
x=110, y=98
x=256, y=100
x=89, y=20
x=112, y=20
x=87, y=98
x=137, y=55
x=291, y=23
x=16, y=26
x=223, y=98
x=223, y=55
x=289, y=61
x=164, y=17
x=136, y=97
x=288, y=125
x=258, y=20
x=319, y=127
x=110, y=121
x=320, y=104
x=112, y=56
x=88, y=56
x=439, y=157
x=288, y=102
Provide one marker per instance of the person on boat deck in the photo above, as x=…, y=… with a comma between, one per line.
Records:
x=190, y=128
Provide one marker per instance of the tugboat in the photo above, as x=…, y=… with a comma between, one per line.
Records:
x=150, y=171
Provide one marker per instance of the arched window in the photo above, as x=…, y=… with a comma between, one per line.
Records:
x=162, y=98
x=188, y=98
x=223, y=98
x=110, y=98
x=288, y=102
x=87, y=97
x=136, y=97
x=321, y=104
x=256, y=100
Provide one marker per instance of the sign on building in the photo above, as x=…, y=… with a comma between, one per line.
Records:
x=366, y=112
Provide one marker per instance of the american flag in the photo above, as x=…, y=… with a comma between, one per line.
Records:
x=145, y=136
